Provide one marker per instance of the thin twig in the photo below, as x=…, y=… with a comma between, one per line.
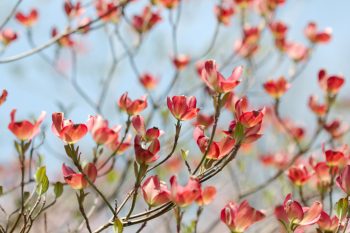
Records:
x=9, y=16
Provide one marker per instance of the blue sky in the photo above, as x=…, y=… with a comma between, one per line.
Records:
x=33, y=86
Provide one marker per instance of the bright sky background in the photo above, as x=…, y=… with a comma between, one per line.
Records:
x=33, y=86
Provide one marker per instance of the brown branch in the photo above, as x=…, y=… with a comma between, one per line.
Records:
x=9, y=16
x=176, y=138
x=300, y=152
x=213, y=131
x=154, y=213
x=60, y=36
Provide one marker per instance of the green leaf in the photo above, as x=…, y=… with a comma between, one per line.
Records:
x=239, y=132
x=68, y=150
x=1, y=190
x=189, y=228
x=341, y=208
x=58, y=189
x=112, y=176
x=118, y=226
x=208, y=163
x=42, y=182
x=224, y=99
x=76, y=151
x=40, y=174
x=143, y=170
x=18, y=148
x=284, y=225
x=184, y=154
x=26, y=196
x=136, y=169
x=26, y=146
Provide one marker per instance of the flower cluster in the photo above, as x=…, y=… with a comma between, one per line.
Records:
x=155, y=192
x=293, y=215
x=247, y=124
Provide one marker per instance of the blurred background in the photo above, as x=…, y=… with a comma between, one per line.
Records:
x=34, y=85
